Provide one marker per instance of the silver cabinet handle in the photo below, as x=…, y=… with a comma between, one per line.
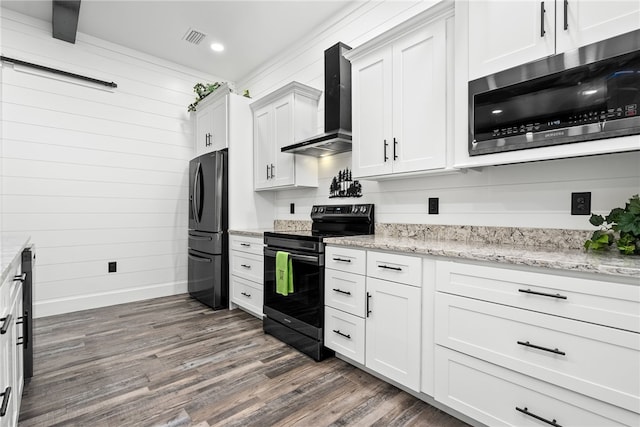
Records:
x=245, y=266
x=245, y=294
x=390, y=268
x=342, y=259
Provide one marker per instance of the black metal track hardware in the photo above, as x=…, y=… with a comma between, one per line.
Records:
x=56, y=71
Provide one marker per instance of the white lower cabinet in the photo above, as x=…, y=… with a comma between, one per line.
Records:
x=11, y=362
x=518, y=347
x=372, y=321
x=393, y=331
x=344, y=333
x=246, y=273
x=497, y=396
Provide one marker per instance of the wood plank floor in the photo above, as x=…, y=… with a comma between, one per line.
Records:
x=174, y=362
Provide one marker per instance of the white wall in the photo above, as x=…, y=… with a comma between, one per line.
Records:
x=521, y=195
x=96, y=175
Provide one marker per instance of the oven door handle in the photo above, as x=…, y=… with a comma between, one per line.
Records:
x=316, y=259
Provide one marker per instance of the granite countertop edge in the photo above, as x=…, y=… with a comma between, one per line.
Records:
x=608, y=263
x=258, y=232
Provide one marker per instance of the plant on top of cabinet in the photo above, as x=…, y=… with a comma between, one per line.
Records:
x=202, y=91
x=622, y=228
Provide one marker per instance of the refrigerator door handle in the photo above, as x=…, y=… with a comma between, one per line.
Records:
x=199, y=259
x=196, y=193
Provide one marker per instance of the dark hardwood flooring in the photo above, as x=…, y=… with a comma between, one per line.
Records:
x=174, y=362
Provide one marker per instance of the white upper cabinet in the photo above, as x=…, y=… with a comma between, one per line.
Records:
x=281, y=118
x=399, y=99
x=504, y=34
x=582, y=22
x=212, y=122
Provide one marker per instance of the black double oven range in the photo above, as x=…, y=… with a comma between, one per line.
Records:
x=298, y=318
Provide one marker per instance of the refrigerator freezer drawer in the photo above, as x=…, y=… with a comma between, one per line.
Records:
x=205, y=280
x=209, y=243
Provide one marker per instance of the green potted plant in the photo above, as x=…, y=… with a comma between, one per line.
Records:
x=202, y=90
x=621, y=226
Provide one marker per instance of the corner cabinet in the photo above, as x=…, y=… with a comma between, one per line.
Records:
x=506, y=34
x=400, y=98
x=281, y=118
x=212, y=122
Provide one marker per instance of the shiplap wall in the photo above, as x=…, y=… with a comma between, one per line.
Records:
x=524, y=195
x=96, y=175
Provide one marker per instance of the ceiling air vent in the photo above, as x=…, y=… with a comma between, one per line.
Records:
x=194, y=36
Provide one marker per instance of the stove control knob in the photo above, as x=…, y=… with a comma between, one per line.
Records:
x=321, y=209
x=363, y=209
x=315, y=209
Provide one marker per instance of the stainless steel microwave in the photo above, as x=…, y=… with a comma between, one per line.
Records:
x=589, y=93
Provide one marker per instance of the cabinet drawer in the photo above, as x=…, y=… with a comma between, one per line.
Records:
x=491, y=394
x=397, y=268
x=345, y=291
x=247, y=295
x=248, y=266
x=345, y=259
x=599, y=361
x=344, y=333
x=597, y=301
x=252, y=245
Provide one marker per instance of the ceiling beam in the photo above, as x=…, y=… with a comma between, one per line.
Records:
x=65, y=19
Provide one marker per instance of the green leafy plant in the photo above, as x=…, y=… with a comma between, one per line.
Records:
x=202, y=91
x=621, y=226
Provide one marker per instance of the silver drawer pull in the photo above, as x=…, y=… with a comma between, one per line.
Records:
x=538, y=417
x=245, y=266
x=543, y=294
x=342, y=292
x=550, y=350
x=245, y=244
x=245, y=294
x=337, y=331
x=390, y=268
x=342, y=259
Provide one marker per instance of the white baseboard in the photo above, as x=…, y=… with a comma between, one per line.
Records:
x=103, y=299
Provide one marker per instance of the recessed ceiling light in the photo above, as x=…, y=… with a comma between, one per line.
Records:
x=217, y=47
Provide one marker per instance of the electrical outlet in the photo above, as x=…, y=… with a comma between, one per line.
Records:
x=433, y=205
x=581, y=203
x=292, y=208
x=112, y=267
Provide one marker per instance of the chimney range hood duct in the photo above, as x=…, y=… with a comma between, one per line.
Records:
x=337, y=109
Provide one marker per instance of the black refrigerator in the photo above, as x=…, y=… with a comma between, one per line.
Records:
x=208, y=274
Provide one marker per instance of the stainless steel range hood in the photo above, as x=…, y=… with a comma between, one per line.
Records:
x=337, y=109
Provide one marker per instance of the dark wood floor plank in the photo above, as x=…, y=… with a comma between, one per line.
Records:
x=173, y=362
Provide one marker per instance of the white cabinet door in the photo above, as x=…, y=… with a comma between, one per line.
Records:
x=220, y=124
x=583, y=22
x=393, y=331
x=372, y=120
x=419, y=100
x=263, y=146
x=503, y=34
x=204, y=130
x=283, y=171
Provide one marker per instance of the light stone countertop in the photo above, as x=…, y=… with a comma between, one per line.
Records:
x=610, y=262
x=11, y=247
x=258, y=232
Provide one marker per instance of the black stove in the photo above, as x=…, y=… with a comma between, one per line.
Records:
x=298, y=317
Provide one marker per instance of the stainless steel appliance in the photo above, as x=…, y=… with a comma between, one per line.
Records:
x=298, y=318
x=208, y=230
x=337, y=109
x=586, y=94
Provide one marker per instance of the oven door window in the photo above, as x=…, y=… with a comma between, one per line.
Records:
x=306, y=301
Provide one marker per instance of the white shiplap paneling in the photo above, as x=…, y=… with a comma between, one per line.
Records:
x=525, y=195
x=95, y=174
